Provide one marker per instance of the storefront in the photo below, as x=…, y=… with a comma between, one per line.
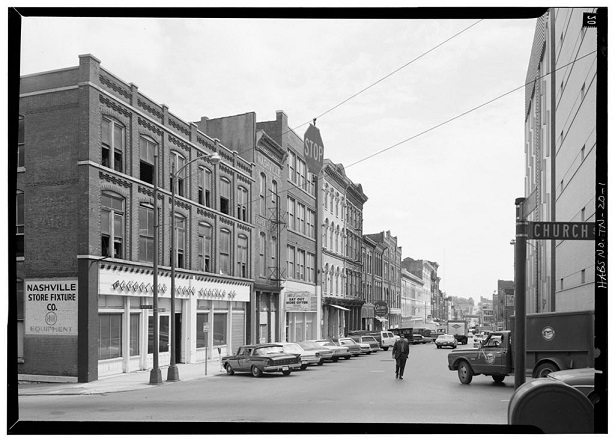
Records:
x=301, y=315
x=267, y=317
x=367, y=316
x=126, y=317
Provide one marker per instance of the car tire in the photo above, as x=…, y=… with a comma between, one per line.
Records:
x=464, y=372
x=437, y=346
x=229, y=370
x=544, y=369
x=303, y=367
x=256, y=372
x=286, y=373
x=320, y=362
x=498, y=379
x=385, y=348
x=356, y=355
x=346, y=357
x=335, y=359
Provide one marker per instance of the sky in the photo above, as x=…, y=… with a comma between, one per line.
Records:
x=445, y=191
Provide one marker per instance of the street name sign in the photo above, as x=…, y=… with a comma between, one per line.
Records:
x=561, y=231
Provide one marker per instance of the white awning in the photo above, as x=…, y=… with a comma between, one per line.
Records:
x=381, y=319
x=340, y=307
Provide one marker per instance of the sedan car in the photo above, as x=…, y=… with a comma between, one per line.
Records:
x=374, y=345
x=446, y=341
x=325, y=353
x=353, y=347
x=580, y=378
x=308, y=357
x=261, y=358
x=338, y=351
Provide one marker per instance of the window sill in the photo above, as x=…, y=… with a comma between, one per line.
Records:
x=21, y=169
x=20, y=361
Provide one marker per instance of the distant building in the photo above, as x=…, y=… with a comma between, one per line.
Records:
x=428, y=272
x=414, y=300
x=560, y=166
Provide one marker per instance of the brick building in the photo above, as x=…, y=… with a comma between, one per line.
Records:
x=91, y=147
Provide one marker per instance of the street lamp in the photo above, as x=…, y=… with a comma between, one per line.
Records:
x=155, y=376
x=214, y=158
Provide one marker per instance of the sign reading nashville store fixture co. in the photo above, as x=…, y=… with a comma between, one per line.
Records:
x=51, y=307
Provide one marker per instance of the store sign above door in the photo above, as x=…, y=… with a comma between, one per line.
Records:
x=561, y=231
x=313, y=149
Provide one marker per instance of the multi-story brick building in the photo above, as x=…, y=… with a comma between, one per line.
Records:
x=91, y=148
x=390, y=263
x=414, y=300
x=369, y=250
x=428, y=272
x=342, y=210
x=560, y=151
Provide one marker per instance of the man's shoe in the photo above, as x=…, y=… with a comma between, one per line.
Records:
x=396, y=376
x=400, y=377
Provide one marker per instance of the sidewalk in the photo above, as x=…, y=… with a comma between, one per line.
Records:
x=122, y=382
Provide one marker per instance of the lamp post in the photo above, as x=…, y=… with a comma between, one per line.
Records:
x=155, y=375
x=173, y=373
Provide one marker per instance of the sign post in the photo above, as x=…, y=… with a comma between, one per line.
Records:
x=206, y=333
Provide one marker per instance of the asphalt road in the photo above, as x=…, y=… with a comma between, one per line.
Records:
x=359, y=390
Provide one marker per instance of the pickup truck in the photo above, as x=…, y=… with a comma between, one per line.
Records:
x=554, y=341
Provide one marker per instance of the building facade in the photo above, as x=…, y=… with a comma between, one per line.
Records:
x=560, y=168
x=93, y=152
x=342, y=226
x=427, y=271
x=414, y=300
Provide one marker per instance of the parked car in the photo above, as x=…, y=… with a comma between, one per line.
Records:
x=338, y=351
x=261, y=358
x=385, y=338
x=373, y=343
x=325, y=354
x=417, y=339
x=353, y=347
x=580, y=378
x=446, y=341
x=308, y=357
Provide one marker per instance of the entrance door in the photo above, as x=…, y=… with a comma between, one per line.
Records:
x=178, y=337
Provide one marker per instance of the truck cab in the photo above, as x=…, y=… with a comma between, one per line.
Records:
x=492, y=358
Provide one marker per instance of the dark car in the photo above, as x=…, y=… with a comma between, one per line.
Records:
x=261, y=358
x=446, y=341
x=580, y=378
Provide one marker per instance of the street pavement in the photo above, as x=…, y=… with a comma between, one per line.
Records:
x=121, y=382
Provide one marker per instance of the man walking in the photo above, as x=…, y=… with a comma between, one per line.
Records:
x=401, y=350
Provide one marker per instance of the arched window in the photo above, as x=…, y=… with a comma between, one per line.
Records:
x=325, y=274
x=225, y=195
x=274, y=256
x=146, y=232
x=225, y=252
x=180, y=240
x=263, y=195
x=331, y=280
x=147, y=163
x=332, y=233
x=204, y=184
x=112, y=225
x=178, y=163
x=242, y=203
x=204, y=252
x=325, y=229
x=20, y=143
x=262, y=263
x=113, y=140
x=242, y=256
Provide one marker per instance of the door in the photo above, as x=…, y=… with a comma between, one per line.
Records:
x=178, y=337
x=491, y=356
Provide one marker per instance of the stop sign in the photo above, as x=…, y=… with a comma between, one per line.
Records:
x=313, y=149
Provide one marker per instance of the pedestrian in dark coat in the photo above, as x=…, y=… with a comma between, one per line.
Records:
x=401, y=350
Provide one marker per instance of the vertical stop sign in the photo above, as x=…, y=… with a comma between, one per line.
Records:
x=313, y=149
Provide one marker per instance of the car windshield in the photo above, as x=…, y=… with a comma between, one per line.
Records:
x=264, y=351
x=310, y=345
x=369, y=339
x=293, y=347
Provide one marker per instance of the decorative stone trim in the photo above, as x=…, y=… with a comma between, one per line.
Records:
x=205, y=213
x=178, y=127
x=115, y=180
x=148, y=108
x=149, y=126
x=111, y=85
x=242, y=166
x=111, y=104
x=179, y=143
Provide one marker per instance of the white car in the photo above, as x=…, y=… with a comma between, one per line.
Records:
x=308, y=357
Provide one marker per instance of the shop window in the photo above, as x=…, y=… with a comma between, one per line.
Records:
x=163, y=334
x=204, y=248
x=146, y=233
x=219, y=334
x=204, y=184
x=242, y=256
x=147, y=161
x=112, y=144
x=110, y=336
x=112, y=225
x=179, y=173
x=201, y=319
x=19, y=223
x=225, y=252
x=134, y=334
x=225, y=195
x=242, y=204
x=20, y=143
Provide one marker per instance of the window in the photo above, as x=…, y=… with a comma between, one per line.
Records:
x=20, y=318
x=204, y=248
x=326, y=198
x=220, y=328
x=274, y=256
x=180, y=241
x=242, y=256
x=146, y=233
x=300, y=218
x=147, y=151
x=300, y=264
x=225, y=251
x=242, y=204
x=331, y=244
x=163, y=334
x=225, y=195
x=291, y=262
x=292, y=173
x=301, y=174
x=20, y=143
x=337, y=208
x=274, y=192
x=263, y=192
x=310, y=263
x=204, y=178
x=561, y=284
x=291, y=213
x=324, y=278
x=201, y=318
x=179, y=172
x=583, y=276
x=134, y=334
x=19, y=223
x=331, y=203
x=311, y=183
x=324, y=233
x=110, y=336
x=112, y=144
x=311, y=219
x=261, y=251
x=112, y=225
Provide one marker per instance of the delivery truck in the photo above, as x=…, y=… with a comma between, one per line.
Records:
x=459, y=329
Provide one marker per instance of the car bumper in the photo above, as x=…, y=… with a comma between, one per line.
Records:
x=270, y=368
